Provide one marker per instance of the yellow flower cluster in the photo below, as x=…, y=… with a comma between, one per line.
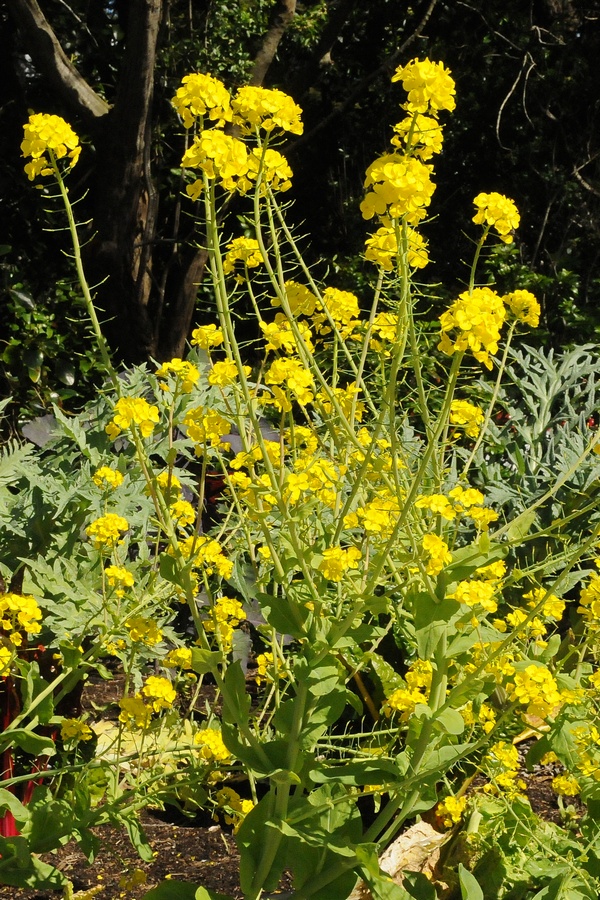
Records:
x=144, y=631
x=179, y=658
x=404, y=699
x=18, y=612
x=225, y=373
x=134, y=712
x=295, y=378
x=336, y=562
x=46, y=134
x=212, y=748
x=133, y=412
x=301, y=301
x=185, y=375
x=75, y=730
x=221, y=157
x=105, y=532
x=279, y=335
x=536, y=688
x=160, y=692
x=382, y=249
x=202, y=95
x=264, y=666
x=438, y=553
x=236, y=808
x=450, y=810
x=346, y=399
x=107, y=478
x=478, y=317
x=207, y=554
x=272, y=168
x=566, y=785
x=497, y=211
x=421, y=134
x=475, y=593
x=207, y=336
x=225, y=615
x=182, y=513
x=118, y=577
x=524, y=307
x=256, y=107
x=467, y=416
x=244, y=250
x=429, y=86
x=401, y=187
x=206, y=427
x=317, y=478
x=502, y=765
x=589, y=603
x=486, y=717
x=377, y=516
x=168, y=484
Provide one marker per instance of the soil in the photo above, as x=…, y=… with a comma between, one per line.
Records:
x=197, y=851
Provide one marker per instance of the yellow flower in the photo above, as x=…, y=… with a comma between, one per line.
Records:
x=75, y=730
x=225, y=373
x=220, y=156
x=536, y=688
x=19, y=612
x=105, y=532
x=483, y=517
x=382, y=249
x=468, y=416
x=279, y=335
x=476, y=593
x=497, y=210
x=131, y=411
x=264, y=667
x=437, y=550
x=336, y=562
x=202, y=95
x=428, y=84
x=168, y=483
x=160, y=692
x=205, y=426
x=478, y=317
x=207, y=336
x=107, y=478
x=6, y=658
x=212, y=748
x=301, y=301
x=179, y=658
x=117, y=575
x=144, y=631
x=134, y=712
x=465, y=498
x=48, y=134
x=244, y=250
x=256, y=107
x=438, y=504
x=401, y=188
x=566, y=785
x=237, y=808
x=425, y=134
x=185, y=373
x=403, y=700
x=553, y=607
x=524, y=307
x=273, y=169
x=451, y=810
x=183, y=513
x=296, y=378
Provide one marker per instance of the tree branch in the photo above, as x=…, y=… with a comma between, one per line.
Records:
x=281, y=19
x=53, y=63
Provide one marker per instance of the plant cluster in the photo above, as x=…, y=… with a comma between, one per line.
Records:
x=246, y=542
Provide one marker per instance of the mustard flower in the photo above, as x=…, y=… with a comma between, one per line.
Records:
x=437, y=550
x=269, y=110
x=566, y=785
x=380, y=515
x=6, y=658
x=465, y=498
x=183, y=513
x=437, y=504
x=272, y=168
x=212, y=748
x=179, y=658
x=207, y=553
x=202, y=95
x=478, y=317
x=160, y=692
x=553, y=607
x=381, y=248
x=428, y=84
x=536, y=688
x=524, y=307
x=133, y=411
x=346, y=398
x=502, y=764
x=185, y=374
x=48, y=134
x=244, y=250
x=467, y=416
x=482, y=518
x=300, y=300
x=451, y=810
x=134, y=712
x=237, y=808
x=107, y=478
x=119, y=578
x=424, y=133
x=75, y=730
x=207, y=336
x=402, y=700
x=264, y=665
x=205, y=427
x=401, y=187
x=143, y=631
x=493, y=572
x=105, y=532
x=336, y=562
x=296, y=378
x=221, y=157
x=226, y=615
x=535, y=627
x=476, y=593
x=19, y=612
x=279, y=335
x=497, y=210
x=168, y=483
x=225, y=373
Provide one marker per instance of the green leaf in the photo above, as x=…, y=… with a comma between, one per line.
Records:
x=204, y=661
x=469, y=886
x=137, y=836
x=182, y=890
x=450, y=721
x=236, y=700
x=357, y=773
x=521, y=526
x=20, y=869
x=34, y=744
x=283, y=614
x=432, y=622
x=552, y=891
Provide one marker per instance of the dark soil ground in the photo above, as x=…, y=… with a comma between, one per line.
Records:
x=196, y=851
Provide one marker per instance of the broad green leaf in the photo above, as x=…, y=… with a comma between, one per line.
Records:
x=357, y=773
x=450, y=721
x=469, y=886
x=179, y=890
x=204, y=661
x=521, y=526
x=34, y=744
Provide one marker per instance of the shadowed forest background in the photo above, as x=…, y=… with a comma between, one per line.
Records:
x=526, y=124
